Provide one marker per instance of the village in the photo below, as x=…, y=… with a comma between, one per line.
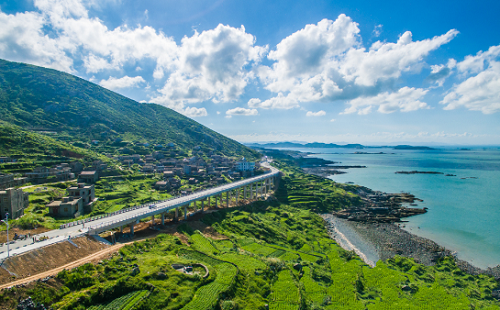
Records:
x=175, y=174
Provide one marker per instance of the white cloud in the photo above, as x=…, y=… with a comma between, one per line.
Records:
x=480, y=92
x=327, y=62
x=278, y=102
x=405, y=99
x=22, y=39
x=241, y=111
x=377, y=31
x=194, y=112
x=477, y=93
x=439, y=73
x=319, y=113
x=211, y=66
x=475, y=64
x=332, y=120
x=124, y=82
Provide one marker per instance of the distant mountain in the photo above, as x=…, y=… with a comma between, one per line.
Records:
x=42, y=99
x=306, y=145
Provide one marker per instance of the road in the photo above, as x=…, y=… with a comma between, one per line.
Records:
x=126, y=218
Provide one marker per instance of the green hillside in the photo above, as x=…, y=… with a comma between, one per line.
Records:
x=43, y=99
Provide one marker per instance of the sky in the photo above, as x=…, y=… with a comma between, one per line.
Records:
x=259, y=71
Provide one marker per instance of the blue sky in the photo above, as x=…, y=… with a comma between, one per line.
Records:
x=328, y=71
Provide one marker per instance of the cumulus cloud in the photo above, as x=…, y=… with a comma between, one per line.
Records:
x=405, y=99
x=278, y=102
x=241, y=111
x=439, y=73
x=327, y=62
x=124, y=82
x=194, y=112
x=481, y=91
x=319, y=113
x=22, y=39
x=211, y=66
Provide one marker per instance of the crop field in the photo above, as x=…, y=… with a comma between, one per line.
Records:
x=255, y=267
x=125, y=302
x=259, y=249
x=314, y=292
x=223, y=245
x=284, y=292
x=245, y=263
x=202, y=244
x=289, y=256
x=208, y=295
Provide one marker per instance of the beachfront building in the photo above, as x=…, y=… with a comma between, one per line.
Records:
x=13, y=201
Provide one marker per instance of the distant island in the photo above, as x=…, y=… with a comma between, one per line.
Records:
x=333, y=145
x=418, y=172
x=409, y=147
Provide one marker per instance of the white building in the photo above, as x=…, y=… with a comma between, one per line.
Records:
x=244, y=165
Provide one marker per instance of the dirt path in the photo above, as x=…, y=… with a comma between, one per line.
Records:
x=91, y=258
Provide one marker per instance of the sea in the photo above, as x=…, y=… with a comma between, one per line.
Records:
x=463, y=208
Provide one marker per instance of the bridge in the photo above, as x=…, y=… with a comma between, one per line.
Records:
x=249, y=188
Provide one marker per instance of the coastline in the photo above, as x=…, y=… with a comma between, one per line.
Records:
x=382, y=241
x=389, y=240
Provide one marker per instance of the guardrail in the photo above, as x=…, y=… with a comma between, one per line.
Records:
x=187, y=199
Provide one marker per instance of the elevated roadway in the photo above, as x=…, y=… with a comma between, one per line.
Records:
x=132, y=216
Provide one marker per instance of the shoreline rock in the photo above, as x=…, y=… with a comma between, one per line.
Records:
x=390, y=240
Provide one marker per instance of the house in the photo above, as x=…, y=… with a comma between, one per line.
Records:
x=158, y=155
x=39, y=172
x=68, y=207
x=62, y=172
x=76, y=166
x=244, y=165
x=187, y=169
x=160, y=168
x=148, y=168
x=4, y=159
x=162, y=185
x=174, y=183
x=13, y=201
x=171, y=144
x=193, y=181
x=168, y=174
x=99, y=165
x=8, y=180
x=86, y=192
x=88, y=177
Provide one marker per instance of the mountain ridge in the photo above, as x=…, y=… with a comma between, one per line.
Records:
x=33, y=97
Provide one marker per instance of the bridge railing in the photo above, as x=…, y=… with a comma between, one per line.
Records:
x=192, y=197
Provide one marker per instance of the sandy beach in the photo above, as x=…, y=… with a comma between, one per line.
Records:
x=381, y=241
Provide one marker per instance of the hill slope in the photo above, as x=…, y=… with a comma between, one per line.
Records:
x=44, y=99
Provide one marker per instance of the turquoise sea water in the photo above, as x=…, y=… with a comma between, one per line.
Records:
x=463, y=215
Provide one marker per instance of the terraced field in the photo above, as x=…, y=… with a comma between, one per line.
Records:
x=202, y=244
x=208, y=295
x=126, y=302
x=284, y=292
x=314, y=292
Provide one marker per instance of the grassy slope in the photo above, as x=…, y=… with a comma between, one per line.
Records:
x=265, y=241
x=40, y=98
x=16, y=141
